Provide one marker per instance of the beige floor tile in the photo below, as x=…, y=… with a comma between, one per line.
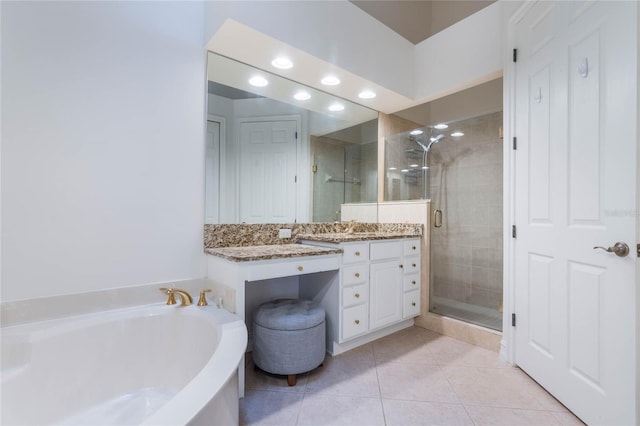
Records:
x=344, y=375
x=269, y=408
x=339, y=410
x=448, y=351
x=261, y=380
x=405, y=346
x=416, y=382
x=567, y=419
x=483, y=415
x=408, y=413
x=499, y=387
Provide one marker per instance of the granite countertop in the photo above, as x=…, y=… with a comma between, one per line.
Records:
x=344, y=237
x=281, y=251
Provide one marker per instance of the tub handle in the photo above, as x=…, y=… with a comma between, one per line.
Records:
x=202, y=301
x=169, y=292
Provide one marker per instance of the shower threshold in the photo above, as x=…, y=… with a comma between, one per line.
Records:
x=478, y=315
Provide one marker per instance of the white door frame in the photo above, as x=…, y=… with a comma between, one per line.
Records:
x=507, y=346
x=302, y=165
x=222, y=122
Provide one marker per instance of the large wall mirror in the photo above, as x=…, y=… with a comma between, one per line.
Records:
x=281, y=152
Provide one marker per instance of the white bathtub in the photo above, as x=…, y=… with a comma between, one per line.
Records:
x=150, y=365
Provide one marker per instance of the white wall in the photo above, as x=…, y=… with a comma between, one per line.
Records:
x=102, y=145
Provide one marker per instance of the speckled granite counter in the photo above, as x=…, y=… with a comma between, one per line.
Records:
x=356, y=236
x=281, y=251
x=266, y=234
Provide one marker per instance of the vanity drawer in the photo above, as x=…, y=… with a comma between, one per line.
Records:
x=353, y=253
x=386, y=250
x=355, y=295
x=355, y=321
x=276, y=268
x=412, y=247
x=411, y=305
x=411, y=265
x=355, y=274
x=412, y=282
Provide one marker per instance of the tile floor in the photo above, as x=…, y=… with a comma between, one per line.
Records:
x=412, y=377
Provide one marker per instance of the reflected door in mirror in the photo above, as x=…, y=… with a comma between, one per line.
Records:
x=268, y=171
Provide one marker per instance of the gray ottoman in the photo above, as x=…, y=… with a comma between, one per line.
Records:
x=289, y=337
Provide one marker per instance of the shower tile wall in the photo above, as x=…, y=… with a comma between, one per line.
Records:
x=466, y=184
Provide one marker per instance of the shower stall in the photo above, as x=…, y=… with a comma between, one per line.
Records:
x=459, y=168
x=344, y=170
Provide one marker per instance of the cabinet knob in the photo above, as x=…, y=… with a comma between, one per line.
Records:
x=413, y=248
x=357, y=274
x=357, y=253
x=300, y=268
x=401, y=265
x=413, y=303
x=413, y=282
x=357, y=322
x=357, y=295
x=413, y=265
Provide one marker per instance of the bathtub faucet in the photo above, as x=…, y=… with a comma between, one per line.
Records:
x=185, y=298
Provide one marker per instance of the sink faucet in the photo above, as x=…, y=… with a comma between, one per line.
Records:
x=185, y=298
x=351, y=227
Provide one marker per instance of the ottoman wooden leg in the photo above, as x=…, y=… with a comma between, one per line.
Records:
x=291, y=379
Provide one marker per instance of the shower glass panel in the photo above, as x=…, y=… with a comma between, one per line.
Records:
x=465, y=186
x=345, y=170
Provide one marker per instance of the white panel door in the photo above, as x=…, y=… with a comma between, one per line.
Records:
x=268, y=172
x=575, y=188
x=212, y=173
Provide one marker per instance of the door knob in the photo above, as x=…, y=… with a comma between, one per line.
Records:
x=620, y=249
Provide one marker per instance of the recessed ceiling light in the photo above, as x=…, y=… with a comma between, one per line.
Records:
x=330, y=80
x=336, y=107
x=440, y=126
x=392, y=168
x=416, y=132
x=457, y=134
x=302, y=95
x=413, y=165
x=424, y=167
x=258, y=81
x=366, y=94
x=404, y=170
x=282, y=62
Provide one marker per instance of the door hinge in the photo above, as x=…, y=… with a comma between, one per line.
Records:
x=515, y=55
x=296, y=135
x=638, y=249
x=513, y=231
x=295, y=179
x=515, y=143
x=513, y=320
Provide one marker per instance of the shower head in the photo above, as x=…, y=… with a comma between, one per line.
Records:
x=434, y=140
x=437, y=138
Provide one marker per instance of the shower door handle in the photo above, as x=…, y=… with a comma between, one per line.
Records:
x=437, y=218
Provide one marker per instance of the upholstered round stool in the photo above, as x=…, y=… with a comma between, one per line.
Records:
x=289, y=337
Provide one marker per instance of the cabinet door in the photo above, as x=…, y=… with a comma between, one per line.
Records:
x=385, y=293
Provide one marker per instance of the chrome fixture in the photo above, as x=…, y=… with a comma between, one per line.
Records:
x=185, y=298
x=202, y=301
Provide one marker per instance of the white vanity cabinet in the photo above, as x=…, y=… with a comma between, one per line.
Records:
x=411, y=279
x=379, y=289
